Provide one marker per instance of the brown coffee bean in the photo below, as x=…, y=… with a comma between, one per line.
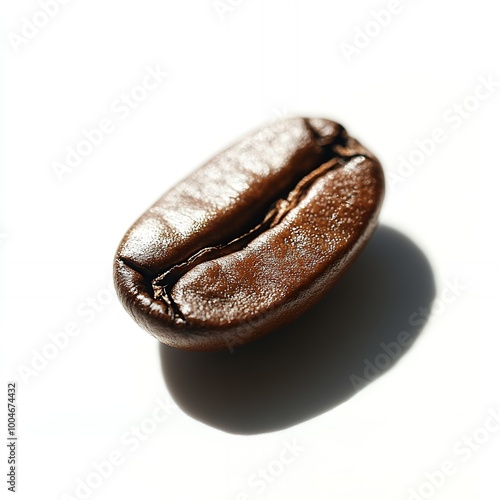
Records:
x=253, y=238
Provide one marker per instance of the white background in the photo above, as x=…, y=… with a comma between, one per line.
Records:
x=231, y=69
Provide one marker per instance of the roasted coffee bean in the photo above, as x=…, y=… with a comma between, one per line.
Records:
x=253, y=238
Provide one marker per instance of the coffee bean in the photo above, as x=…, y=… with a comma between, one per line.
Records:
x=253, y=238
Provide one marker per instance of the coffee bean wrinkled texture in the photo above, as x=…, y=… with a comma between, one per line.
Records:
x=251, y=239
